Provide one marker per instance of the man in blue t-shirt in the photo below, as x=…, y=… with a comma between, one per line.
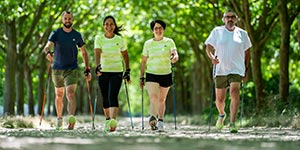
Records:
x=66, y=42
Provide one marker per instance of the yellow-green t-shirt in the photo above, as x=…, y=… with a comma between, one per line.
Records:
x=158, y=55
x=111, y=57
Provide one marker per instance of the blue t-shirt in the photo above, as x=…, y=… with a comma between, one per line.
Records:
x=65, y=48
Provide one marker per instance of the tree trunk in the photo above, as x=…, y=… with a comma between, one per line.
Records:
x=20, y=86
x=42, y=83
x=30, y=96
x=257, y=77
x=10, y=69
x=284, y=50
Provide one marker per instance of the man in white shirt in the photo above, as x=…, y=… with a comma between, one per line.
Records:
x=228, y=48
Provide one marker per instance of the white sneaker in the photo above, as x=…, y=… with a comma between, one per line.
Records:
x=160, y=126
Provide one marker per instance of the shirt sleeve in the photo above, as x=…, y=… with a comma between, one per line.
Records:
x=172, y=45
x=80, y=41
x=145, y=52
x=123, y=45
x=52, y=36
x=211, y=38
x=248, y=43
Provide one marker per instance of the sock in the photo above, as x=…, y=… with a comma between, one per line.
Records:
x=107, y=118
x=222, y=116
x=161, y=120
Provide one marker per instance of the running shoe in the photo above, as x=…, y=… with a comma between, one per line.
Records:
x=107, y=125
x=233, y=128
x=59, y=124
x=152, y=123
x=72, y=121
x=220, y=122
x=160, y=126
x=113, y=125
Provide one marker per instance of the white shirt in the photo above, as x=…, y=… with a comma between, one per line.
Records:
x=230, y=47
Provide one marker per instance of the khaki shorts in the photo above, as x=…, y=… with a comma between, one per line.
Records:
x=63, y=78
x=224, y=81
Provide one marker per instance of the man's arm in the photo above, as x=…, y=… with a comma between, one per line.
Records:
x=247, y=59
x=85, y=57
x=47, y=50
x=210, y=53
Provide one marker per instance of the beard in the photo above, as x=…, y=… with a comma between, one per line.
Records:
x=68, y=26
x=230, y=23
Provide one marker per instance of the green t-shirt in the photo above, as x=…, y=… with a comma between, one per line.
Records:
x=158, y=55
x=111, y=57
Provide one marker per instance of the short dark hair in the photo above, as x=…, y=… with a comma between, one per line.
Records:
x=162, y=23
x=66, y=12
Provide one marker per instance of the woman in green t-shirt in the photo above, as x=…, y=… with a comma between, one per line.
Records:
x=158, y=54
x=110, y=50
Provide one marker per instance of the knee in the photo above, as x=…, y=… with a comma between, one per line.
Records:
x=154, y=97
x=235, y=92
x=59, y=95
x=70, y=95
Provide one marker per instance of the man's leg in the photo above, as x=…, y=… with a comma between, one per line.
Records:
x=220, y=100
x=235, y=100
x=220, y=104
x=59, y=104
x=71, y=97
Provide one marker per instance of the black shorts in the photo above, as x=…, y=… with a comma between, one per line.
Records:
x=162, y=80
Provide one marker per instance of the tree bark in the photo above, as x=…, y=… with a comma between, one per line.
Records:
x=10, y=68
x=30, y=96
x=285, y=24
x=20, y=86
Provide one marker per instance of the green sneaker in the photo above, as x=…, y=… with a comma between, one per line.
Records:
x=113, y=125
x=59, y=125
x=72, y=121
x=233, y=128
x=220, y=122
x=107, y=125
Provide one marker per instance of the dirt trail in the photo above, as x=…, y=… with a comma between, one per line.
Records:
x=185, y=137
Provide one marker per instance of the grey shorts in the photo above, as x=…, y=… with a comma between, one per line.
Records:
x=224, y=81
x=63, y=78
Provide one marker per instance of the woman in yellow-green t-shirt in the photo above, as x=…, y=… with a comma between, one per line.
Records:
x=158, y=54
x=110, y=50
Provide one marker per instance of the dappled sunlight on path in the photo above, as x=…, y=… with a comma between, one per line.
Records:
x=191, y=137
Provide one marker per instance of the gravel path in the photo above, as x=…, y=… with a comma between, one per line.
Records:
x=185, y=137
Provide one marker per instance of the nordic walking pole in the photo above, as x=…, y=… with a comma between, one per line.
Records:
x=128, y=102
x=174, y=95
x=90, y=101
x=241, y=116
x=142, y=108
x=45, y=92
x=95, y=105
x=212, y=95
x=174, y=89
